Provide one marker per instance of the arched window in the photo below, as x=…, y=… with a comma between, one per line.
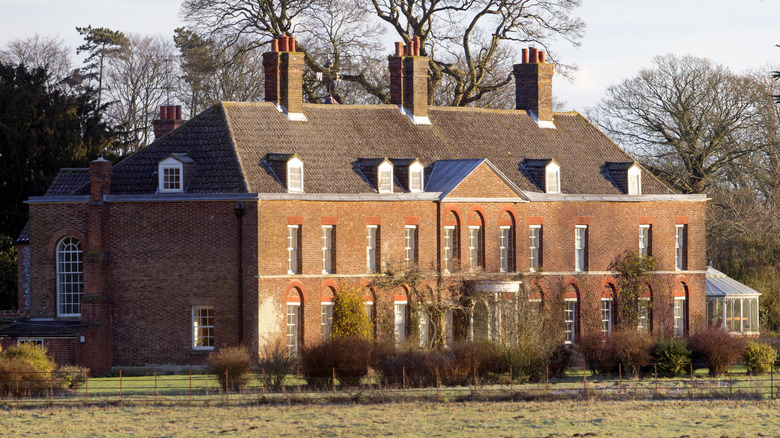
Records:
x=571, y=314
x=507, y=242
x=645, y=311
x=476, y=241
x=326, y=312
x=681, y=311
x=294, y=319
x=70, y=277
x=607, y=308
x=400, y=306
x=451, y=242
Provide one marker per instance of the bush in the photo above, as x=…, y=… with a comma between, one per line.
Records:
x=350, y=357
x=25, y=369
x=412, y=362
x=527, y=361
x=236, y=361
x=275, y=364
x=559, y=360
x=457, y=366
x=630, y=348
x=717, y=348
x=592, y=347
x=349, y=315
x=759, y=358
x=71, y=376
x=672, y=356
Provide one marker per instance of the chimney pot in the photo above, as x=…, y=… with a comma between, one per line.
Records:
x=416, y=46
x=178, y=112
x=162, y=112
x=533, y=55
x=541, y=56
x=399, y=49
x=275, y=45
x=525, y=56
x=291, y=43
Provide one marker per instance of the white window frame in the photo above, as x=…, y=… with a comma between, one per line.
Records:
x=505, y=237
x=203, y=328
x=534, y=247
x=164, y=183
x=607, y=315
x=580, y=246
x=368, y=306
x=679, y=247
x=570, y=320
x=552, y=178
x=70, y=277
x=384, y=177
x=371, y=262
x=326, y=320
x=475, y=242
x=34, y=341
x=293, y=246
x=327, y=249
x=416, y=178
x=679, y=316
x=449, y=248
x=293, y=325
x=410, y=245
x=643, y=315
x=424, y=327
x=295, y=168
x=449, y=328
x=644, y=240
x=399, y=321
x=634, y=180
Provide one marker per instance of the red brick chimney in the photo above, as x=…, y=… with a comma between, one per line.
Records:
x=396, y=65
x=533, y=84
x=415, y=82
x=99, y=179
x=170, y=119
x=284, y=75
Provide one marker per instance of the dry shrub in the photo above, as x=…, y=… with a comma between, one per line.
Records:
x=759, y=358
x=275, y=363
x=414, y=363
x=630, y=348
x=671, y=355
x=592, y=347
x=71, y=376
x=25, y=369
x=236, y=361
x=349, y=357
x=559, y=360
x=717, y=348
x=457, y=366
x=527, y=361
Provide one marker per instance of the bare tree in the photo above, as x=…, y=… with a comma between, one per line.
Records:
x=686, y=118
x=466, y=40
x=40, y=51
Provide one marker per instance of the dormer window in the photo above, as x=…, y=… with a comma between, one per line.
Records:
x=295, y=175
x=385, y=177
x=416, y=177
x=171, y=173
x=552, y=178
x=634, y=180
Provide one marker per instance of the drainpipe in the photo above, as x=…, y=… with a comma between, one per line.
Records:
x=239, y=211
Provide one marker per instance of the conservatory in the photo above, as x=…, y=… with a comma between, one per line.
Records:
x=730, y=304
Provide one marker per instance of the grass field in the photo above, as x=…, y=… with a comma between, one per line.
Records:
x=518, y=419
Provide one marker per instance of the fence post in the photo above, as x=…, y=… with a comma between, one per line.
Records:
x=120, y=386
x=227, y=386
x=190, y=390
x=730, y=381
x=333, y=380
x=620, y=378
x=86, y=387
x=655, y=373
x=772, y=380
x=155, y=386
x=691, y=391
x=584, y=379
x=476, y=382
x=51, y=387
x=17, y=390
x=547, y=377
x=403, y=377
x=438, y=383
x=263, y=379
x=510, y=378
x=298, y=380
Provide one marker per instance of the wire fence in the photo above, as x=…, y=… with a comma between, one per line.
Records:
x=371, y=386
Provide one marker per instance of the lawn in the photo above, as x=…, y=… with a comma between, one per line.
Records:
x=526, y=419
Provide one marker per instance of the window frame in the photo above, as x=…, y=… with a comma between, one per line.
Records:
x=399, y=323
x=644, y=314
x=41, y=342
x=293, y=248
x=449, y=248
x=164, y=182
x=475, y=247
x=327, y=249
x=679, y=247
x=580, y=248
x=534, y=237
x=570, y=325
x=634, y=175
x=505, y=248
x=384, y=171
x=326, y=320
x=371, y=243
x=554, y=170
x=198, y=327
x=294, y=167
x=645, y=248
x=680, y=318
x=410, y=246
x=416, y=176
x=607, y=315
x=70, y=283
x=294, y=347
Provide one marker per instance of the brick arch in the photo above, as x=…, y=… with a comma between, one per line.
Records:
x=446, y=221
x=481, y=216
x=401, y=293
x=295, y=287
x=681, y=288
x=572, y=288
x=509, y=211
x=647, y=291
x=59, y=235
x=328, y=291
x=608, y=288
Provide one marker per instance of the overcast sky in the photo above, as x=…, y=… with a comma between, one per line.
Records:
x=622, y=36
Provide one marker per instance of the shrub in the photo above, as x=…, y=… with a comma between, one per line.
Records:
x=527, y=361
x=71, y=376
x=349, y=315
x=717, y=348
x=630, y=348
x=350, y=357
x=25, y=367
x=559, y=360
x=409, y=361
x=671, y=355
x=457, y=366
x=592, y=347
x=236, y=361
x=275, y=364
x=759, y=358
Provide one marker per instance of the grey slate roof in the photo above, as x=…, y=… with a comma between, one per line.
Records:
x=68, y=182
x=720, y=285
x=46, y=329
x=230, y=141
x=24, y=235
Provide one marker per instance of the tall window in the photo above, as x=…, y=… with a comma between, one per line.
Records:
x=679, y=316
x=474, y=247
x=416, y=177
x=644, y=240
x=371, y=262
x=535, y=234
x=643, y=315
x=292, y=249
x=385, y=177
x=399, y=327
x=634, y=180
x=553, y=178
x=505, y=249
x=449, y=248
x=293, y=319
x=679, y=247
x=70, y=277
x=580, y=245
x=570, y=320
x=327, y=249
x=295, y=175
x=326, y=320
x=606, y=315
x=410, y=245
x=203, y=328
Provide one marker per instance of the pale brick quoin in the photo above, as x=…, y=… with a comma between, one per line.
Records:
x=212, y=234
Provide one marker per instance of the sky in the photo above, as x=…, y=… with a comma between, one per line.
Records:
x=622, y=36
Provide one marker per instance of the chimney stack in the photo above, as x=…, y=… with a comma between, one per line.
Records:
x=284, y=75
x=409, y=80
x=533, y=84
x=396, y=66
x=99, y=179
x=170, y=119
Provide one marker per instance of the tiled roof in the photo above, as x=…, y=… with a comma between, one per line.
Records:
x=46, y=329
x=230, y=142
x=24, y=235
x=68, y=182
